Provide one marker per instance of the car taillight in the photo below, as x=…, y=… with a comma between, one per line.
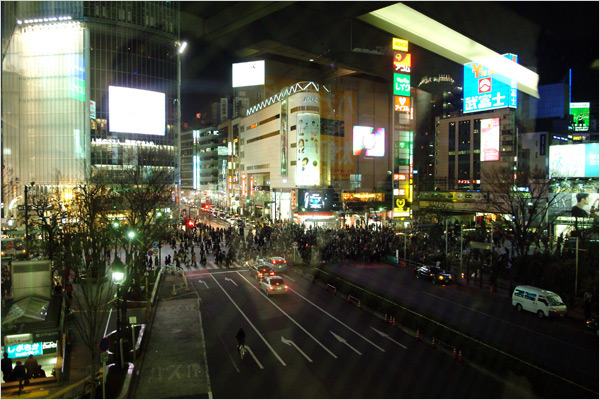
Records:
x=285, y=261
x=286, y=287
x=260, y=274
x=270, y=287
x=273, y=262
x=272, y=273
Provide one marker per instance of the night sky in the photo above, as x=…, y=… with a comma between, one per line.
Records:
x=566, y=36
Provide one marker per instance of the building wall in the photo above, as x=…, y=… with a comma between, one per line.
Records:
x=451, y=148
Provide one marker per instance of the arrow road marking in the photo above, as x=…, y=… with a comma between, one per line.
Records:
x=204, y=283
x=342, y=340
x=385, y=335
x=291, y=343
x=231, y=280
x=253, y=356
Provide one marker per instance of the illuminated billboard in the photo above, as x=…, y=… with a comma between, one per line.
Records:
x=402, y=103
x=402, y=62
x=581, y=116
x=248, y=74
x=401, y=84
x=574, y=160
x=483, y=89
x=308, y=161
x=490, y=139
x=370, y=139
x=136, y=111
x=399, y=44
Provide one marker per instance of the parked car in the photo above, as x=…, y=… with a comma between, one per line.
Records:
x=273, y=285
x=259, y=270
x=435, y=274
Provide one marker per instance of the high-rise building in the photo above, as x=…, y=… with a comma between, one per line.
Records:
x=88, y=84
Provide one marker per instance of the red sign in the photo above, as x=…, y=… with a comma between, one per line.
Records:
x=243, y=185
x=399, y=177
x=402, y=62
x=402, y=103
x=485, y=85
x=251, y=186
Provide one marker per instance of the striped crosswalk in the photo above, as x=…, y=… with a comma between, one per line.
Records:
x=210, y=265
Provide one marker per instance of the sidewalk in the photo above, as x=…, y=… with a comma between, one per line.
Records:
x=174, y=363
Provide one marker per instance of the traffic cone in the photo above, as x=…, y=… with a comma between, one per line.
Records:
x=418, y=337
x=394, y=321
x=454, y=354
x=433, y=342
x=359, y=303
x=385, y=319
x=459, y=355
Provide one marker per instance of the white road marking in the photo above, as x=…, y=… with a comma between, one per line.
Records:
x=342, y=340
x=287, y=277
x=253, y=356
x=291, y=343
x=250, y=322
x=385, y=335
x=231, y=280
x=334, y=318
x=289, y=317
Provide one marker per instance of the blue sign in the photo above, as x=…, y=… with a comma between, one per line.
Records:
x=24, y=350
x=483, y=89
x=104, y=344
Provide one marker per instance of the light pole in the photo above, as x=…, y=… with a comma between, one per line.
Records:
x=118, y=274
x=27, y=216
x=181, y=48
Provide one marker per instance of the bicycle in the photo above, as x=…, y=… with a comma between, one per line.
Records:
x=241, y=350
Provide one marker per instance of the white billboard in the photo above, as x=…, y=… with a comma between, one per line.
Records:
x=574, y=160
x=248, y=74
x=490, y=139
x=308, y=160
x=136, y=111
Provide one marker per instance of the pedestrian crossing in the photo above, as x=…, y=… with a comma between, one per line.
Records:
x=210, y=265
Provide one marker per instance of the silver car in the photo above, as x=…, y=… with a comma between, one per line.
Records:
x=273, y=285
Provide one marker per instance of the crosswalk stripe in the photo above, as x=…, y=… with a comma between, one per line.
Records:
x=212, y=265
x=237, y=265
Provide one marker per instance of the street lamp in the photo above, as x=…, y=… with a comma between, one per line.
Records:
x=118, y=275
x=181, y=48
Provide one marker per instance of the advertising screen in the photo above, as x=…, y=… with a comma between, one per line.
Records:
x=312, y=200
x=402, y=62
x=490, y=139
x=581, y=116
x=308, y=161
x=136, y=111
x=486, y=90
x=401, y=104
x=574, y=160
x=581, y=205
x=248, y=74
x=370, y=139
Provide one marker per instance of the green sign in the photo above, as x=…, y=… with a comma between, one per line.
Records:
x=401, y=85
x=581, y=116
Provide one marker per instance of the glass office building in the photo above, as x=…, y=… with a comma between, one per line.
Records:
x=88, y=84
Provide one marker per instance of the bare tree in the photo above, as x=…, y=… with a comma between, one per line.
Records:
x=524, y=204
x=143, y=192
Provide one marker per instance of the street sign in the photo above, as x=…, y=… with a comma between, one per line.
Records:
x=155, y=251
x=104, y=344
x=104, y=357
x=150, y=252
x=133, y=320
x=155, y=245
x=295, y=244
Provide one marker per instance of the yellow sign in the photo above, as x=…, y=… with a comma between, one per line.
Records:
x=363, y=197
x=399, y=44
x=400, y=203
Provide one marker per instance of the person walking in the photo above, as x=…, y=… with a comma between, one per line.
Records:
x=7, y=368
x=19, y=374
x=31, y=365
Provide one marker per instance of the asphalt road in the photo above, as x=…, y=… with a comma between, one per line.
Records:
x=309, y=344
x=562, y=345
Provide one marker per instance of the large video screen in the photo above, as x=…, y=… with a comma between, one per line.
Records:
x=490, y=139
x=136, y=111
x=581, y=205
x=308, y=154
x=369, y=139
x=314, y=200
x=248, y=74
x=574, y=160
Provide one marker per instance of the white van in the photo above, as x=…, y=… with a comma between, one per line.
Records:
x=542, y=302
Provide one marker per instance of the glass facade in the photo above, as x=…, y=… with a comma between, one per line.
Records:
x=58, y=64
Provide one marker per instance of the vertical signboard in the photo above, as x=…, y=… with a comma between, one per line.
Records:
x=251, y=186
x=224, y=109
x=490, y=139
x=308, y=161
x=244, y=193
x=402, y=135
x=283, y=134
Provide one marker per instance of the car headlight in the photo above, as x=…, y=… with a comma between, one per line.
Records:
x=441, y=277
